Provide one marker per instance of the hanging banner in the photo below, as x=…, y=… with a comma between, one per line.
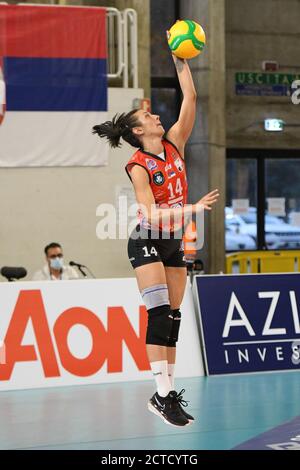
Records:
x=53, y=85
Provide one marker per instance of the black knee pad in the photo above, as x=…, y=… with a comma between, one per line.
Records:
x=160, y=322
x=176, y=315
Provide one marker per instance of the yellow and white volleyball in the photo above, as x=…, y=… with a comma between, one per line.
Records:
x=186, y=39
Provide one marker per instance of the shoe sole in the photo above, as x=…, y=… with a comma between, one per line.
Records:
x=190, y=420
x=157, y=413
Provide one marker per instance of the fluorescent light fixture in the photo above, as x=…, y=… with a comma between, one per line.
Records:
x=274, y=125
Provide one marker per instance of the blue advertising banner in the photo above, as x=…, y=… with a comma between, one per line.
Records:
x=249, y=323
x=263, y=90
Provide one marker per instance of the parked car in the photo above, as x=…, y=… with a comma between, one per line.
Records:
x=294, y=219
x=238, y=241
x=288, y=235
x=246, y=224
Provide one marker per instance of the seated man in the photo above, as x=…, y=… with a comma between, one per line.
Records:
x=55, y=270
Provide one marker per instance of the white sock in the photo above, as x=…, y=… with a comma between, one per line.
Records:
x=160, y=373
x=171, y=370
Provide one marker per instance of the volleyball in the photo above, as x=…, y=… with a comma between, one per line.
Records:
x=186, y=39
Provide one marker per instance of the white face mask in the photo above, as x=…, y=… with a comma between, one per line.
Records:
x=56, y=263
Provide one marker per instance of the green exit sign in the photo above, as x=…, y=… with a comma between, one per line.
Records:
x=264, y=84
x=252, y=78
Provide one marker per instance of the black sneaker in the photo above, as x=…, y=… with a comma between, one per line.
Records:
x=167, y=408
x=182, y=403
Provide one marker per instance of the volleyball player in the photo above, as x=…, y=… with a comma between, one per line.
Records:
x=157, y=172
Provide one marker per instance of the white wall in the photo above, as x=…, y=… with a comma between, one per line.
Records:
x=41, y=205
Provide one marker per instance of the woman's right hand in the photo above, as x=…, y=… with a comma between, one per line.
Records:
x=207, y=201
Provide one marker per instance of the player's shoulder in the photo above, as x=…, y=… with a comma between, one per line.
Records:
x=136, y=156
x=171, y=146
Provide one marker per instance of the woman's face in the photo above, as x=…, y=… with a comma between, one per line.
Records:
x=150, y=125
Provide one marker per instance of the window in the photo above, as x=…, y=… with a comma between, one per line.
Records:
x=165, y=90
x=163, y=15
x=241, y=230
x=164, y=103
x=283, y=181
x=270, y=180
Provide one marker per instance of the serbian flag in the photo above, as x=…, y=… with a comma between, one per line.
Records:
x=53, y=85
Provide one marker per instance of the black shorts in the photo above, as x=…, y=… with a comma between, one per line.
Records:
x=144, y=250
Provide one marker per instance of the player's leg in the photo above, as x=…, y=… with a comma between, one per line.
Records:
x=176, y=281
x=153, y=287
x=151, y=280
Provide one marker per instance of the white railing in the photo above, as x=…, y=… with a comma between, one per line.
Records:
x=122, y=45
x=122, y=40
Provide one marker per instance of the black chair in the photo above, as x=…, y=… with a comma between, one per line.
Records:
x=198, y=267
x=13, y=274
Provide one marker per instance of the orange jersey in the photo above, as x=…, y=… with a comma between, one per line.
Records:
x=167, y=178
x=190, y=241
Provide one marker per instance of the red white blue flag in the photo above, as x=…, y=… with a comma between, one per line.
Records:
x=53, y=85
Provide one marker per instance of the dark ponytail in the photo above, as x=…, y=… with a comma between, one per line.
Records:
x=120, y=126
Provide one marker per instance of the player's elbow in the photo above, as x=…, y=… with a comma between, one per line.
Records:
x=149, y=211
x=193, y=96
x=190, y=97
